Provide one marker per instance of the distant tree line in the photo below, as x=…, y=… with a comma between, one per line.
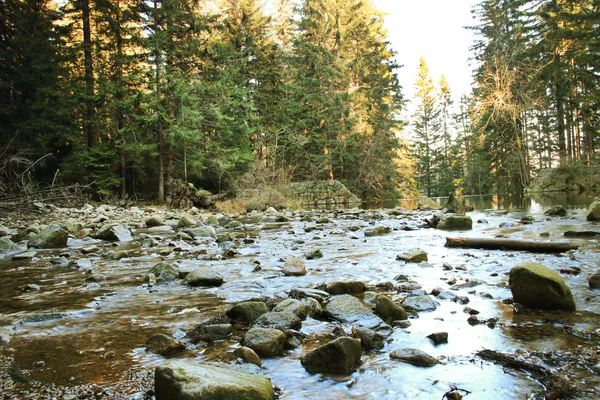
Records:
x=535, y=101
x=131, y=95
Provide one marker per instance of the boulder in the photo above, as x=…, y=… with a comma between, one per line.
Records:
x=293, y=306
x=349, y=309
x=426, y=202
x=369, y=339
x=420, y=303
x=248, y=311
x=346, y=287
x=154, y=221
x=594, y=211
x=157, y=230
x=294, y=267
x=51, y=237
x=594, y=281
x=414, y=357
x=556, y=211
x=455, y=222
x=282, y=320
x=438, y=337
x=313, y=307
x=182, y=379
x=536, y=286
x=387, y=309
x=340, y=356
x=248, y=355
x=164, y=272
x=163, y=344
x=413, y=256
x=265, y=341
x=114, y=232
x=203, y=276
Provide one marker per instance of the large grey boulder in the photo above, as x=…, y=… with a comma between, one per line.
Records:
x=340, y=356
x=202, y=231
x=154, y=221
x=292, y=306
x=265, y=341
x=556, y=211
x=594, y=211
x=248, y=311
x=203, y=276
x=536, y=286
x=387, y=309
x=164, y=272
x=282, y=320
x=51, y=237
x=349, y=309
x=414, y=357
x=455, y=222
x=186, y=222
x=114, y=232
x=181, y=379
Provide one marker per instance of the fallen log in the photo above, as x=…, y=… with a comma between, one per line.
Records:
x=511, y=244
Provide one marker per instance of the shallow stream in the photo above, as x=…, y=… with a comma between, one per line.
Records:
x=71, y=332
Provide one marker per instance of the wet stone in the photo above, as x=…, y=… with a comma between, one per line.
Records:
x=413, y=256
x=294, y=267
x=292, y=305
x=378, y=231
x=211, y=333
x=340, y=356
x=96, y=278
x=265, y=341
x=163, y=344
x=26, y=255
x=248, y=355
x=282, y=321
x=248, y=311
x=414, y=357
x=203, y=276
x=420, y=303
x=438, y=337
x=347, y=308
x=369, y=339
x=316, y=294
x=594, y=281
x=388, y=310
x=313, y=307
x=346, y=287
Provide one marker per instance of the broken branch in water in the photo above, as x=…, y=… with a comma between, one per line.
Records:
x=511, y=244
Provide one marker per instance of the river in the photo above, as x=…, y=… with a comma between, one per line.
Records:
x=72, y=332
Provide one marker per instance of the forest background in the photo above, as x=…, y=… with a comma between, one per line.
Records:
x=133, y=96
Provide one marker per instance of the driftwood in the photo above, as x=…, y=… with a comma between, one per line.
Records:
x=510, y=244
x=582, y=234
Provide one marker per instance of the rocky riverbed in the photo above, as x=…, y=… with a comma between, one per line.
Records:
x=341, y=304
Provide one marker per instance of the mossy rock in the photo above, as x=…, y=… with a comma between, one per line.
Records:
x=164, y=272
x=248, y=311
x=594, y=211
x=51, y=237
x=536, y=286
x=340, y=356
x=455, y=222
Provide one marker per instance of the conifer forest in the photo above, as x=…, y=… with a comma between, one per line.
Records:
x=130, y=96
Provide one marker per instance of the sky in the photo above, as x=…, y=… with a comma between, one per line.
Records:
x=434, y=30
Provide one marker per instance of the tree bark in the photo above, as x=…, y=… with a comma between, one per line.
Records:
x=510, y=244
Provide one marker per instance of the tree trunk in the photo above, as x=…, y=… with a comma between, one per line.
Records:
x=90, y=113
x=509, y=244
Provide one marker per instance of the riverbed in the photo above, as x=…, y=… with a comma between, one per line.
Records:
x=72, y=332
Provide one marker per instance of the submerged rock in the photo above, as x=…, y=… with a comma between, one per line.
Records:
x=594, y=211
x=536, y=286
x=248, y=311
x=455, y=222
x=203, y=276
x=340, y=356
x=413, y=256
x=265, y=341
x=52, y=237
x=180, y=379
x=414, y=357
x=5, y=335
x=163, y=344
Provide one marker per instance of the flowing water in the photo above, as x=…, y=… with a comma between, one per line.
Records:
x=94, y=333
